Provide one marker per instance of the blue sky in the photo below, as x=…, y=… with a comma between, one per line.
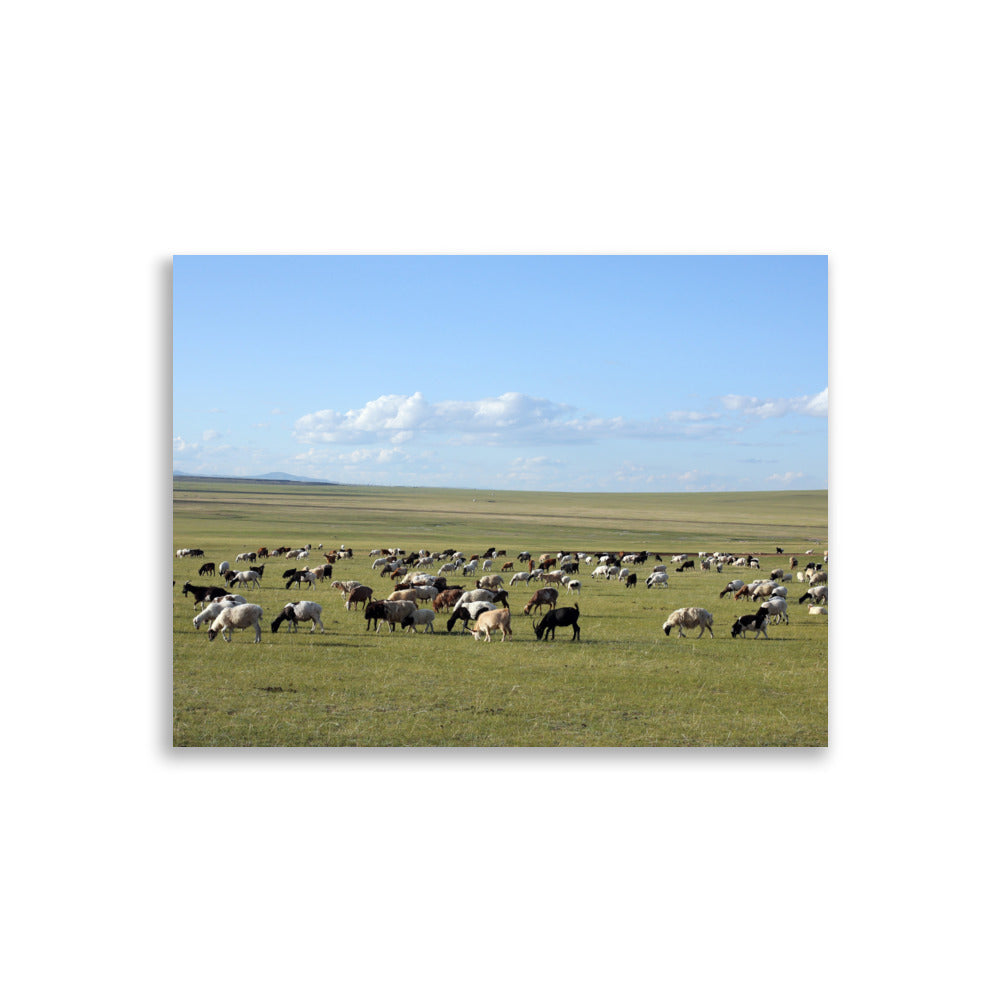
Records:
x=570, y=372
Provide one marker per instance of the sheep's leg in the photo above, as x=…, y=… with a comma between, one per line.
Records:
x=256, y=628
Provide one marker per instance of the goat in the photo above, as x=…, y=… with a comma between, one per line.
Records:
x=207, y=569
x=469, y=612
x=558, y=618
x=547, y=596
x=358, y=595
x=202, y=595
x=490, y=621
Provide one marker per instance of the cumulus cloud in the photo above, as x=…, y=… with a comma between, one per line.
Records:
x=785, y=477
x=209, y=435
x=512, y=417
x=812, y=406
x=181, y=445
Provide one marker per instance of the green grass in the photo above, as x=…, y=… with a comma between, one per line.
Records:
x=624, y=684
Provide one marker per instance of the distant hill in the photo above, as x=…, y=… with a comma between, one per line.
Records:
x=273, y=477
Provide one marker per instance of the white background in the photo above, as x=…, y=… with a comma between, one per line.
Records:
x=867, y=869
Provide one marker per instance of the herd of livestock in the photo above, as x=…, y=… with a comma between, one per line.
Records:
x=420, y=592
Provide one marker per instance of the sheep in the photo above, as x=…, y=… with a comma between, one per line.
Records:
x=547, y=596
x=345, y=586
x=392, y=612
x=223, y=567
x=446, y=598
x=732, y=587
x=572, y=585
x=777, y=609
x=409, y=594
x=602, y=571
x=240, y=616
x=479, y=594
x=211, y=610
x=777, y=574
x=756, y=623
x=559, y=618
x=469, y=612
x=490, y=621
x=301, y=576
x=743, y=592
x=815, y=609
x=422, y=616
x=519, y=578
x=300, y=611
x=657, y=579
x=250, y=576
x=761, y=591
x=817, y=578
x=816, y=595
x=359, y=595
x=492, y=582
x=687, y=618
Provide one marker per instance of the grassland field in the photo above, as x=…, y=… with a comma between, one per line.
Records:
x=625, y=684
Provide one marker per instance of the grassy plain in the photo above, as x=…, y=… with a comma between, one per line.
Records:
x=625, y=684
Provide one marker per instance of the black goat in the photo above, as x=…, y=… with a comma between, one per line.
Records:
x=558, y=618
x=208, y=569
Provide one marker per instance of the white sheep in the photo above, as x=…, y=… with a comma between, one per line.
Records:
x=572, y=585
x=684, y=618
x=250, y=576
x=299, y=611
x=223, y=567
x=211, y=610
x=519, y=578
x=422, y=616
x=777, y=609
x=657, y=579
x=241, y=616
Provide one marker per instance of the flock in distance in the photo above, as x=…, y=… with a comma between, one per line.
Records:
x=420, y=594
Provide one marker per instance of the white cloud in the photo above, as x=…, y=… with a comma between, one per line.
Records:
x=180, y=445
x=785, y=477
x=812, y=406
x=512, y=417
x=209, y=435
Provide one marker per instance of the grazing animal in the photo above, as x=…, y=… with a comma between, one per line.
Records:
x=223, y=567
x=202, y=595
x=816, y=595
x=207, y=569
x=359, y=595
x=684, y=618
x=469, y=612
x=755, y=623
x=558, y=618
x=250, y=576
x=211, y=610
x=657, y=579
x=301, y=576
x=422, y=616
x=241, y=616
x=732, y=587
x=546, y=596
x=688, y=564
x=392, y=612
x=491, y=621
x=777, y=609
x=446, y=598
x=630, y=580
x=300, y=611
